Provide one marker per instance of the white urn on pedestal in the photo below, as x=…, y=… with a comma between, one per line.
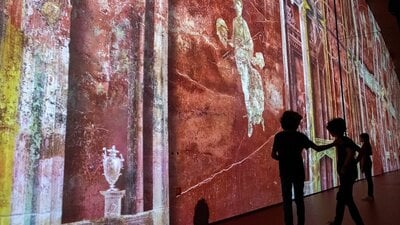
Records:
x=112, y=165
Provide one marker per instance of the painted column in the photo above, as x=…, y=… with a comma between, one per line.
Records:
x=282, y=9
x=118, y=95
x=35, y=58
x=98, y=109
x=134, y=200
x=157, y=90
x=306, y=67
x=309, y=103
x=11, y=44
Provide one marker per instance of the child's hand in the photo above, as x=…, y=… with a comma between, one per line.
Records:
x=274, y=155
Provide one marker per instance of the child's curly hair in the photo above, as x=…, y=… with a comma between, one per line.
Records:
x=337, y=126
x=290, y=120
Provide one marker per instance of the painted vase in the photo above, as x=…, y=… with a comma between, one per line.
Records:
x=112, y=165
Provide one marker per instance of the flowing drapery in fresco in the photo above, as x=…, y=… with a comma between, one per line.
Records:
x=247, y=64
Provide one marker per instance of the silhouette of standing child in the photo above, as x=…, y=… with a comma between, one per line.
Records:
x=366, y=164
x=347, y=170
x=287, y=149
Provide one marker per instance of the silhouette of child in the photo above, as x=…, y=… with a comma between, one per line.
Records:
x=287, y=149
x=366, y=163
x=347, y=170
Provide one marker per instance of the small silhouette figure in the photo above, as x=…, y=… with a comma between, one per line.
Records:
x=201, y=213
x=347, y=170
x=366, y=164
x=287, y=149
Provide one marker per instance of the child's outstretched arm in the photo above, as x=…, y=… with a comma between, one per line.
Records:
x=320, y=148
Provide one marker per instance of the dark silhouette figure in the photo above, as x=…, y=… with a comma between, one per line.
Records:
x=366, y=163
x=347, y=169
x=287, y=149
x=201, y=213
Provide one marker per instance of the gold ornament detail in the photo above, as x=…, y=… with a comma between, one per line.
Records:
x=51, y=11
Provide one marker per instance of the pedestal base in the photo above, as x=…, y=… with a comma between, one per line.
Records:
x=112, y=203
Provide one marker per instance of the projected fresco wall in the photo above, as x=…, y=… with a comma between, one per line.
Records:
x=235, y=66
x=190, y=92
x=72, y=81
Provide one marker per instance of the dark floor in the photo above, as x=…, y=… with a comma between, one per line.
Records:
x=320, y=208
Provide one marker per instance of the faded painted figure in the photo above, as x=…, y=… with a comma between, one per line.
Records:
x=247, y=63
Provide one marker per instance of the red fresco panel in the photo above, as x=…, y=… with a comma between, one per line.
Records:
x=213, y=155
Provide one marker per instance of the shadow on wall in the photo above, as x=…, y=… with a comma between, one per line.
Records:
x=201, y=213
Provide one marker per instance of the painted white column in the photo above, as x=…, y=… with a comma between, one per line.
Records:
x=160, y=114
x=285, y=58
x=306, y=68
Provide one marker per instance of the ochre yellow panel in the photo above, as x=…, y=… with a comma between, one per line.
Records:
x=10, y=72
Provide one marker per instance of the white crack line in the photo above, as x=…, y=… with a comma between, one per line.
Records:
x=225, y=170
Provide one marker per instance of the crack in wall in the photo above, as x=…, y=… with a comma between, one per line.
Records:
x=209, y=179
x=201, y=86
